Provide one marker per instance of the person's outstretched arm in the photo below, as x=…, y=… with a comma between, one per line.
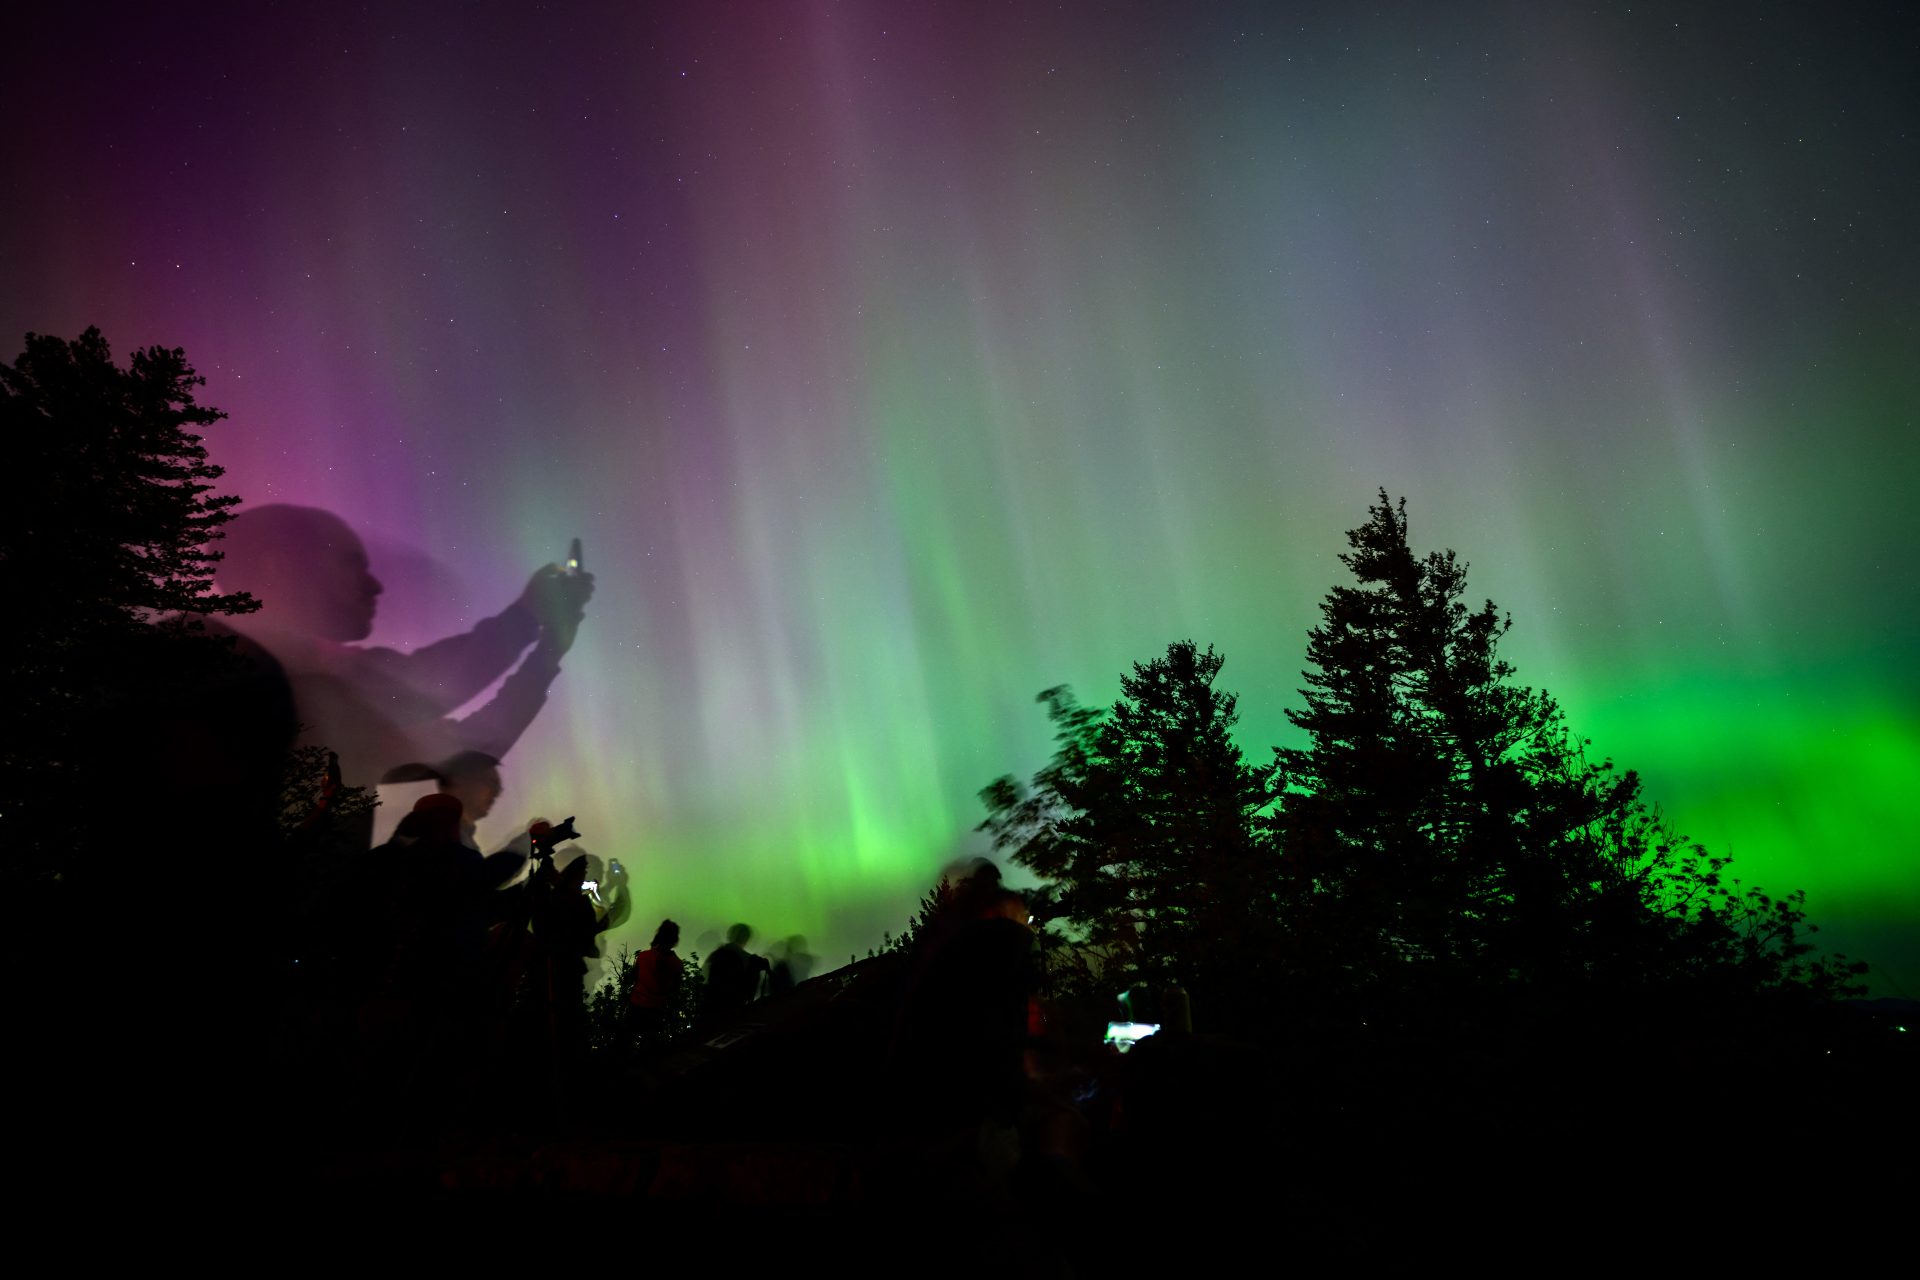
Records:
x=451, y=671
x=448, y=672
x=495, y=727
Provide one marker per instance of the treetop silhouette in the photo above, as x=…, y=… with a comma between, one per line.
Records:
x=117, y=521
x=105, y=555
x=1440, y=834
x=1148, y=819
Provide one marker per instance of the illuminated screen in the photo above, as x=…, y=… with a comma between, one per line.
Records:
x=1122, y=1036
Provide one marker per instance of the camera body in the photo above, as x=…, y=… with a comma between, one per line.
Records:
x=547, y=836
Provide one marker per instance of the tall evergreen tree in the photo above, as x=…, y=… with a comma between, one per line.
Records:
x=1441, y=837
x=1398, y=818
x=1442, y=825
x=113, y=522
x=1147, y=821
x=105, y=560
x=141, y=757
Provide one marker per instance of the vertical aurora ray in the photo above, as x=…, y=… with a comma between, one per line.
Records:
x=896, y=364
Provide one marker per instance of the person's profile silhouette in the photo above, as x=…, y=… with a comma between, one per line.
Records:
x=377, y=707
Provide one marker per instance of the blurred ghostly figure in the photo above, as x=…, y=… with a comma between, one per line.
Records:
x=733, y=972
x=471, y=777
x=793, y=967
x=379, y=708
x=442, y=890
x=958, y=1051
x=605, y=886
x=548, y=1029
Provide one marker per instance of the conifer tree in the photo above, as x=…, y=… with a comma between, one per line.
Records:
x=1443, y=827
x=106, y=564
x=1441, y=838
x=115, y=517
x=1146, y=820
x=1400, y=816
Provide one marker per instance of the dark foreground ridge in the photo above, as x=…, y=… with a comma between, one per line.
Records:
x=1381, y=1144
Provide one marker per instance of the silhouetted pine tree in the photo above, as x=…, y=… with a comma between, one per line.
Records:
x=1442, y=838
x=140, y=757
x=1402, y=816
x=1145, y=821
x=114, y=526
x=104, y=563
x=1443, y=828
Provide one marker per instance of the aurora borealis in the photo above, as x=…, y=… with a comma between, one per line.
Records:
x=896, y=361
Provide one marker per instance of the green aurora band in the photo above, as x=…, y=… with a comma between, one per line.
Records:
x=896, y=365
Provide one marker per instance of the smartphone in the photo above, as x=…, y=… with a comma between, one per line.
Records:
x=1122, y=1036
x=573, y=556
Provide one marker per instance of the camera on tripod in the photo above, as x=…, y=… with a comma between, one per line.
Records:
x=548, y=836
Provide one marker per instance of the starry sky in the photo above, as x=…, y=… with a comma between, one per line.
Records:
x=897, y=361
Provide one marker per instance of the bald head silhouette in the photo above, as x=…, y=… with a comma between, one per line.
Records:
x=306, y=567
x=381, y=708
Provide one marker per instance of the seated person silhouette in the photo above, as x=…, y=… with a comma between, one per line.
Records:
x=380, y=708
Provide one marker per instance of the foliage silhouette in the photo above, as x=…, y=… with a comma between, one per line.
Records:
x=1443, y=827
x=315, y=805
x=142, y=756
x=1149, y=823
x=121, y=511
x=106, y=553
x=611, y=1032
x=1440, y=840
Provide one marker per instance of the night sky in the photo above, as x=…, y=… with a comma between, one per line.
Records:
x=896, y=361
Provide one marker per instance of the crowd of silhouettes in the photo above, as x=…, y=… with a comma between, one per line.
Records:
x=439, y=976
x=435, y=975
x=446, y=988
x=300, y=985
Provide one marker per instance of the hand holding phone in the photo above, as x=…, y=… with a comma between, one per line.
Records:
x=558, y=594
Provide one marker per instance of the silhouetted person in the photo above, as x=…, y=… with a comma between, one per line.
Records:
x=733, y=972
x=959, y=1051
x=605, y=886
x=414, y=921
x=447, y=887
x=964, y=893
x=657, y=975
x=472, y=778
x=379, y=707
x=566, y=924
x=794, y=967
x=550, y=1031
x=585, y=919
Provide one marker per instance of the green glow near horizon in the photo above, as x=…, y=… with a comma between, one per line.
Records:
x=952, y=361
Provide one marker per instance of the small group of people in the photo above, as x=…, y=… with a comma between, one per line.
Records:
x=433, y=973
x=444, y=955
x=734, y=977
x=422, y=953
x=386, y=715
